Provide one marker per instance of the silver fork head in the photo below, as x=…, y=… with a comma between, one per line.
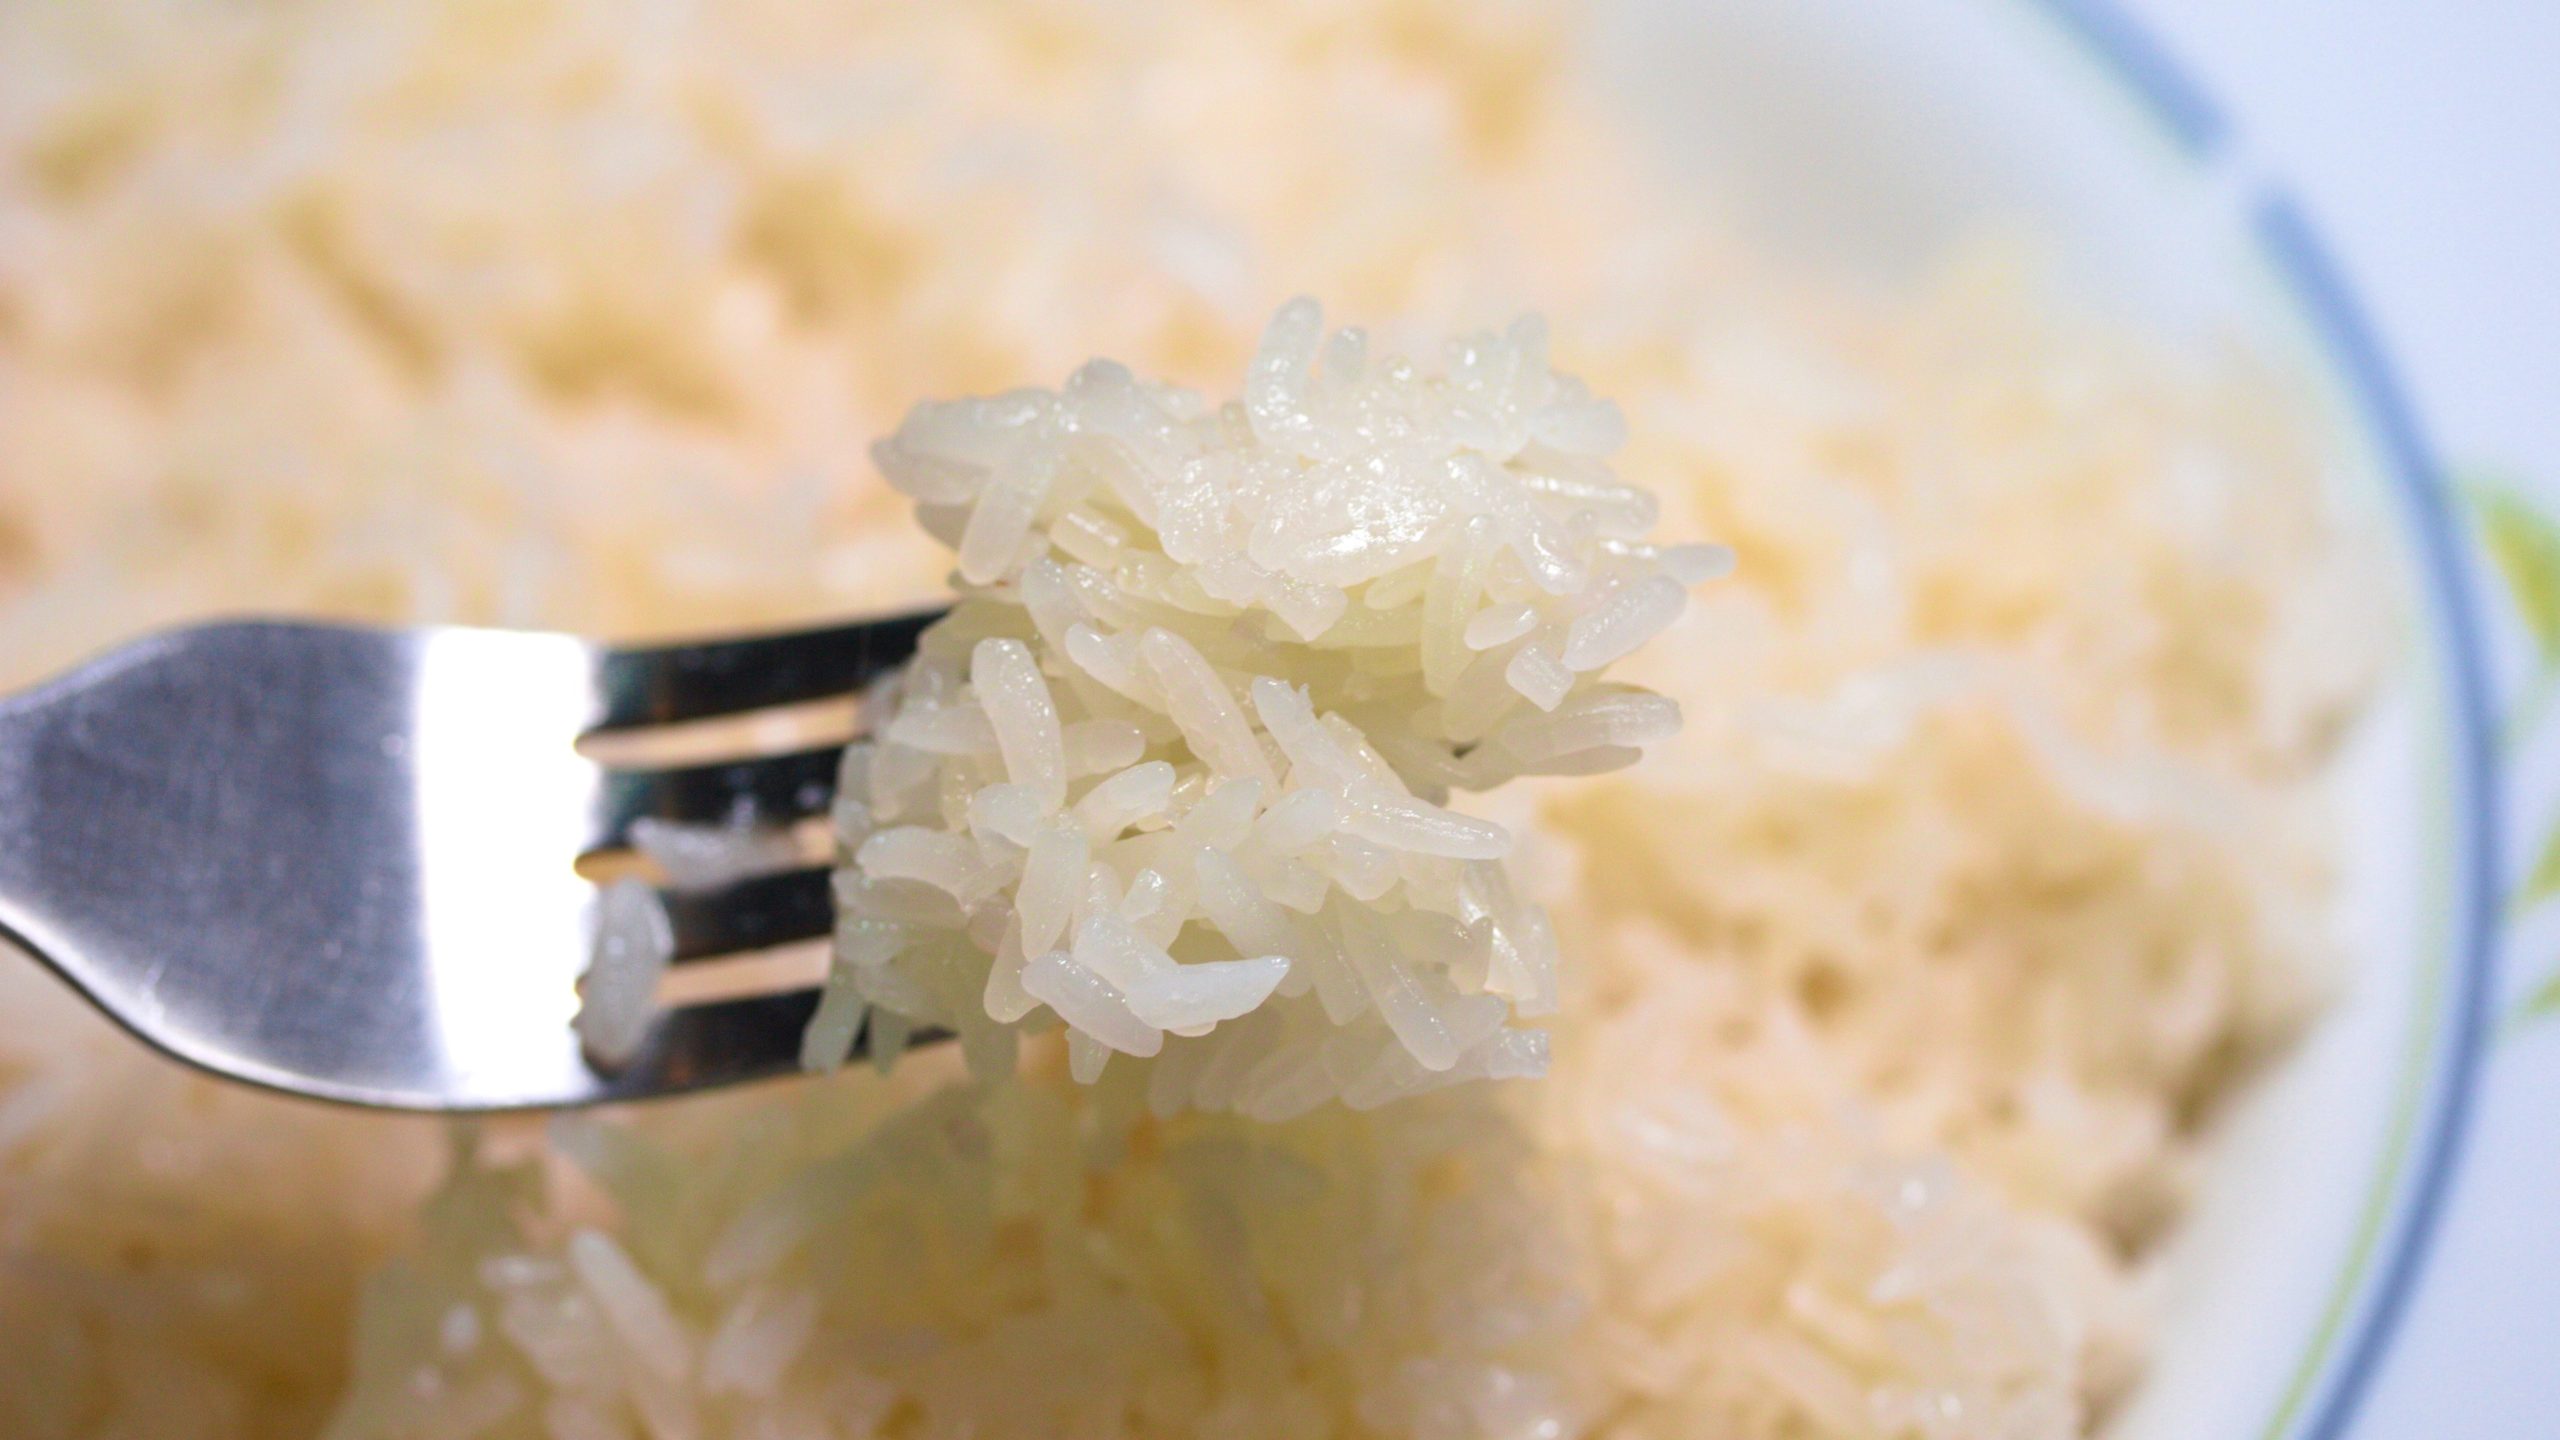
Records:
x=341, y=861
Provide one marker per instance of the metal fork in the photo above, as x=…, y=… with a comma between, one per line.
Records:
x=342, y=861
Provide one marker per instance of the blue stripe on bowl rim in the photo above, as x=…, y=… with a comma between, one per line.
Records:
x=2200, y=126
x=2290, y=242
x=2183, y=107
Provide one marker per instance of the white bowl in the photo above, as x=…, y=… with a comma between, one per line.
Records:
x=1872, y=136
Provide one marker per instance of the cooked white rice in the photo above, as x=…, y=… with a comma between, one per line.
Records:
x=634, y=942
x=1267, y=672
x=705, y=857
x=1900, y=977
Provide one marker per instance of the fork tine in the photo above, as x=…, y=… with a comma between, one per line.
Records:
x=775, y=790
x=670, y=684
x=700, y=1046
x=753, y=914
x=750, y=1038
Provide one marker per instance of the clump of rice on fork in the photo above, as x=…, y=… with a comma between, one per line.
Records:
x=1176, y=769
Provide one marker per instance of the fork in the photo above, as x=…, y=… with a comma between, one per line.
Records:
x=345, y=862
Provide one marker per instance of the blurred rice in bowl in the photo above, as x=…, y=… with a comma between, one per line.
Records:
x=1898, y=984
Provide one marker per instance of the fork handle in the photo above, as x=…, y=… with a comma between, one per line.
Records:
x=143, y=851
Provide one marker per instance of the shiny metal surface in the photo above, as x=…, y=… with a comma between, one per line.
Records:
x=340, y=861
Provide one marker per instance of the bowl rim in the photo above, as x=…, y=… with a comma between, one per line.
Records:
x=2371, y=1295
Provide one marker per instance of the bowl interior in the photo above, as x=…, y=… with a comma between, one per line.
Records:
x=1872, y=138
